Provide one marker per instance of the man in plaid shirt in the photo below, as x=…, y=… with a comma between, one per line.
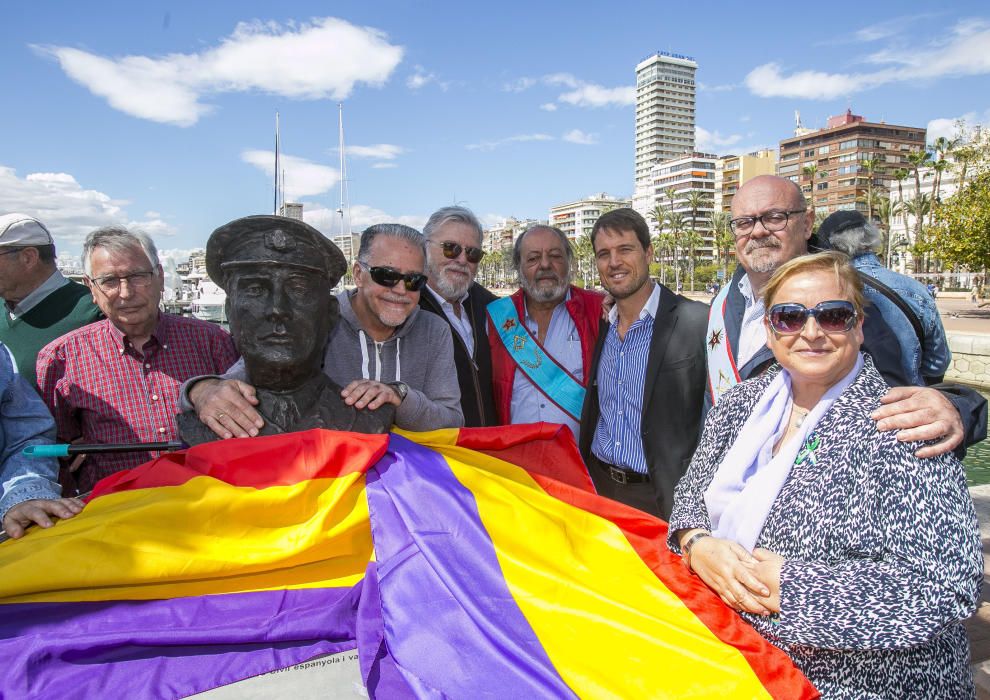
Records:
x=117, y=380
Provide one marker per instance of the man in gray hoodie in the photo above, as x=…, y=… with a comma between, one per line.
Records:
x=383, y=351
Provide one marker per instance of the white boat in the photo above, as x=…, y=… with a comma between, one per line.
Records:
x=209, y=304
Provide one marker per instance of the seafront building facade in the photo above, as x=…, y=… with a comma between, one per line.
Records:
x=828, y=163
x=665, y=104
x=575, y=219
x=732, y=172
x=502, y=235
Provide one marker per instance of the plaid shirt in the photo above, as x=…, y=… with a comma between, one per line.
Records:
x=100, y=388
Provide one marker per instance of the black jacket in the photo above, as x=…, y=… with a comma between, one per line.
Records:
x=474, y=374
x=673, y=395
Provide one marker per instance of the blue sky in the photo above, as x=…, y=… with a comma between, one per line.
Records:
x=161, y=114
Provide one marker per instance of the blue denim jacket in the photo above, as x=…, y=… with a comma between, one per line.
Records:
x=929, y=361
x=24, y=420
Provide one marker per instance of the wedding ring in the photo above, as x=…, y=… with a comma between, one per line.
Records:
x=220, y=415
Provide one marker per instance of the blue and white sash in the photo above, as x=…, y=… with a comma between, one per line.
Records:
x=722, y=372
x=553, y=381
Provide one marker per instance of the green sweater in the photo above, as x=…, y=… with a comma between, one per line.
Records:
x=67, y=308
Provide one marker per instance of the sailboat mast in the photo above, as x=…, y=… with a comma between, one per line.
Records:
x=343, y=174
x=278, y=168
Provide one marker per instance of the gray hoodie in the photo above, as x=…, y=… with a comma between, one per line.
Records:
x=420, y=353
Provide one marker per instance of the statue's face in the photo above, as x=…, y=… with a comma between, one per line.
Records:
x=279, y=318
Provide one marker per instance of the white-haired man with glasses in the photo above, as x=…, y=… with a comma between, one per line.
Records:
x=117, y=380
x=382, y=351
x=453, y=253
x=772, y=225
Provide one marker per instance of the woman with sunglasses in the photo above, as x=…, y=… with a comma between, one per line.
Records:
x=831, y=538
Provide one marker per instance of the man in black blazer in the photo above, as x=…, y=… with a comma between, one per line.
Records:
x=453, y=251
x=643, y=409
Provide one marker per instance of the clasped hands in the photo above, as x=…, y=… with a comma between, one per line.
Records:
x=745, y=582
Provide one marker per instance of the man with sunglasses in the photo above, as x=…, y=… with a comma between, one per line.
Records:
x=40, y=303
x=383, y=351
x=772, y=224
x=117, y=380
x=453, y=252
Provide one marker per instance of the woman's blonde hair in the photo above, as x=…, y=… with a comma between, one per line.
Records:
x=829, y=261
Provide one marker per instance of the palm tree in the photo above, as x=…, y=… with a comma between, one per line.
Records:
x=724, y=240
x=677, y=229
x=692, y=239
x=918, y=160
x=811, y=171
x=820, y=216
x=939, y=166
x=901, y=174
x=886, y=211
x=869, y=165
x=919, y=207
x=584, y=255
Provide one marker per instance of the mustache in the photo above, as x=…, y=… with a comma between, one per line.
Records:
x=757, y=243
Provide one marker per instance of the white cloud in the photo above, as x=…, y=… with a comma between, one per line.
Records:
x=713, y=141
x=422, y=78
x=963, y=52
x=548, y=107
x=302, y=177
x=519, y=138
x=519, y=85
x=949, y=126
x=887, y=28
x=379, y=151
x=323, y=59
x=362, y=216
x=584, y=94
x=580, y=137
x=67, y=209
x=383, y=166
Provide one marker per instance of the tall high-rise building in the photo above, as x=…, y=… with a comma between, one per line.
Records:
x=664, y=110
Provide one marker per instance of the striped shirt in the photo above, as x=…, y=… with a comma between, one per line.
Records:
x=621, y=376
x=99, y=388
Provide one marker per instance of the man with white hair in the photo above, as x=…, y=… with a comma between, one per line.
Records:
x=543, y=336
x=40, y=303
x=904, y=302
x=453, y=253
x=117, y=380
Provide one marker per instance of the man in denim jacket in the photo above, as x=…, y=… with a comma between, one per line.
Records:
x=29, y=490
x=924, y=363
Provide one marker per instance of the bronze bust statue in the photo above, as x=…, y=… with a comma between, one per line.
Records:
x=279, y=274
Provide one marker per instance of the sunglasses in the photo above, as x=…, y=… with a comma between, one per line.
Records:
x=453, y=251
x=832, y=316
x=389, y=277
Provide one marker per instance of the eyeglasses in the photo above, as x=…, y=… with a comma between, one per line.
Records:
x=453, y=251
x=389, y=277
x=138, y=280
x=834, y=316
x=772, y=221
x=13, y=251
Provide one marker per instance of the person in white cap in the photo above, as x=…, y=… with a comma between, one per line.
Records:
x=40, y=304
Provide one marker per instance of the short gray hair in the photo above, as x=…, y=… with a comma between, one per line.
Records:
x=116, y=239
x=406, y=233
x=448, y=214
x=857, y=240
x=517, y=246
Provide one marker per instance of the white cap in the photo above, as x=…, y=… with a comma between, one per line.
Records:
x=23, y=230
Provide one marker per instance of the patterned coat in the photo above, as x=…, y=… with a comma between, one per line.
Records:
x=882, y=551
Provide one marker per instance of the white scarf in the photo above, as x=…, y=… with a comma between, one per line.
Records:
x=750, y=477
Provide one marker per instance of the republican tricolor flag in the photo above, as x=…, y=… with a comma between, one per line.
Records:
x=456, y=564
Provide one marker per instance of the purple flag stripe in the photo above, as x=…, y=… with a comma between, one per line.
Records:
x=449, y=618
x=168, y=648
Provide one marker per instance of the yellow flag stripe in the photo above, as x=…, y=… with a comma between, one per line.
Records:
x=136, y=545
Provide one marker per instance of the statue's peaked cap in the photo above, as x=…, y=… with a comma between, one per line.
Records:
x=271, y=240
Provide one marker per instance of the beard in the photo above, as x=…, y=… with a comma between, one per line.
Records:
x=555, y=292
x=762, y=254
x=451, y=288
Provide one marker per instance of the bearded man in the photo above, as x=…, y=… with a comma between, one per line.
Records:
x=543, y=336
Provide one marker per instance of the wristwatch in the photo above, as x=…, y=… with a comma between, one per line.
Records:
x=401, y=388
